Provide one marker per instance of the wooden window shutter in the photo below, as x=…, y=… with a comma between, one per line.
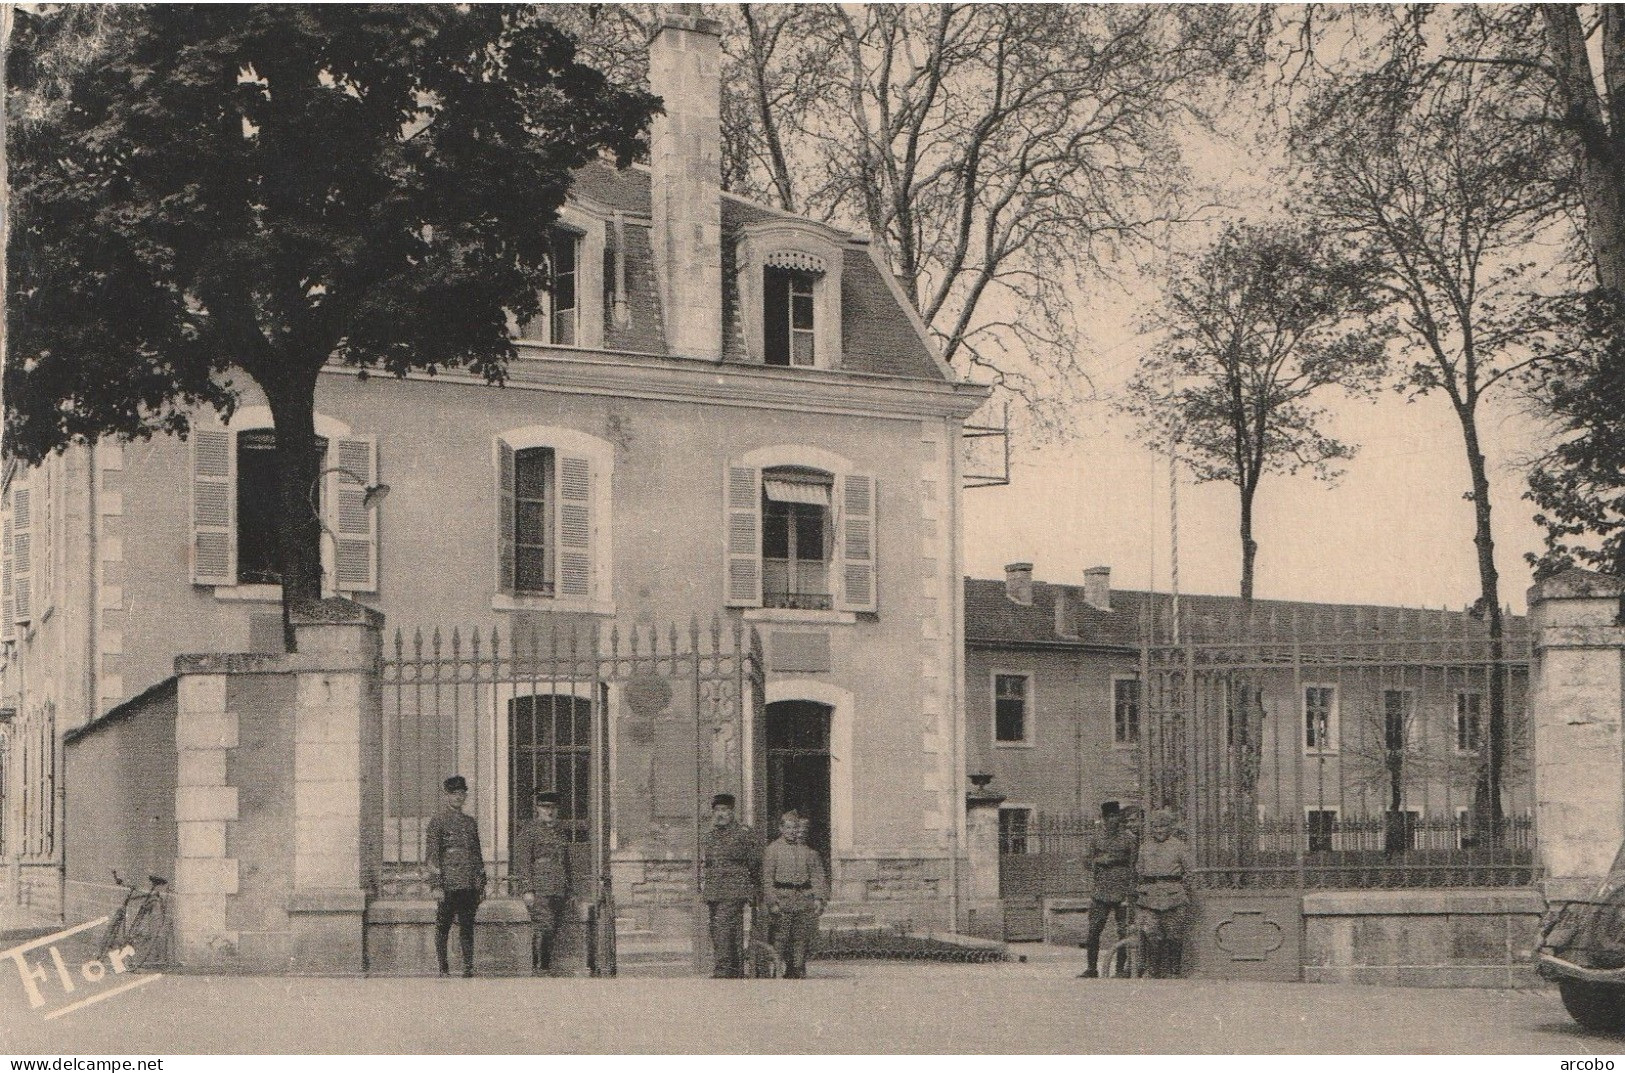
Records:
x=214, y=507
x=354, y=521
x=505, y=508
x=742, y=538
x=45, y=540
x=22, y=554
x=858, y=538
x=574, y=528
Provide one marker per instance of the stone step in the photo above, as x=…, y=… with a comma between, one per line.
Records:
x=850, y=920
x=653, y=951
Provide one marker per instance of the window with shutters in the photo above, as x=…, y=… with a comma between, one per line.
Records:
x=788, y=281
x=235, y=512
x=799, y=533
x=1469, y=722
x=796, y=509
x=1012, y=709
x=1320, y=732
x=552, y=506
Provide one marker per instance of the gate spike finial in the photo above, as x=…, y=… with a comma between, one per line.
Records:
x=615, y=641
x=456, y=642
x=632, y=640
x=716, y=632
x=434, y=642
x=417, y=642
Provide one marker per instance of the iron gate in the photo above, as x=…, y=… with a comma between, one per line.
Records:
x=1383, y=748
x=551, y=710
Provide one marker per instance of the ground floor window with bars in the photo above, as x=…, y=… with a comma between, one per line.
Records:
x=550, y=748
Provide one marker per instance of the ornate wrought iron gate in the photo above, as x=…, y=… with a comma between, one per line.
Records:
x=1354, y=753
x=634, y=731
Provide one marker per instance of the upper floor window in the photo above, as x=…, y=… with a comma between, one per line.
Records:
x=1469, y=722
x=789, y=286
x=535, y=497
x=788, y=318
x=1320, y=719
x=796, y=539
x=1010, y=709
x=551, y=509
x=799, y=536
x=559, y=322
x=236, y=508
x=1396, y=719
x=1125, y=711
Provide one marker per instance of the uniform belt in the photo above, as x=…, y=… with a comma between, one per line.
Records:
x=793, y=886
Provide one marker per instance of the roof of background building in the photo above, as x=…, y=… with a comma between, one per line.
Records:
x=991, y=617
x=877, y=335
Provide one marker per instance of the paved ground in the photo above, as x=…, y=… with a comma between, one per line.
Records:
x=846, y=1008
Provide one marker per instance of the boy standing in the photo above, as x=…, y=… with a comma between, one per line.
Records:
x=795, y=888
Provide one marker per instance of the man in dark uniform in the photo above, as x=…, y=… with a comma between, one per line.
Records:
x=731, y=861
x=456, y=873
x=541, y=867
x=1113, y=866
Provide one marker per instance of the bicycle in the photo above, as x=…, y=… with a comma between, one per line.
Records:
x=762, y=961
x=141, y=925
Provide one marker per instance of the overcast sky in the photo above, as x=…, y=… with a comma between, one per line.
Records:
x=1394, y=530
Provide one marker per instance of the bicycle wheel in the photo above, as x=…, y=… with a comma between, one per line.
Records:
x=113, y=937
x=146, y=934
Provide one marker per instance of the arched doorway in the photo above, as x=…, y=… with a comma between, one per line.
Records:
x=798, y=768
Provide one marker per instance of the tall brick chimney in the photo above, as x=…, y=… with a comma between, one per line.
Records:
x=1097, y=587
x=1018, y=583
x=685, y=162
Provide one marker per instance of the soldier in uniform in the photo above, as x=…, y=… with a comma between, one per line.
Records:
x=1164, y=902
x=795, y=888
x=456, y=873
x=1113, y=866
x=541, y=867
x=731, y=859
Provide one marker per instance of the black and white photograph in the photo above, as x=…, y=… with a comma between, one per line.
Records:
x=809, y=529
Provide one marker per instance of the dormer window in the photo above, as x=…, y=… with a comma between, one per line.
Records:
x=558, y=322
x=789, y=280
x=788, y=336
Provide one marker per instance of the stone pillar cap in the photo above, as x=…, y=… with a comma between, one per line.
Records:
x=1577, y=583
x=335, y=611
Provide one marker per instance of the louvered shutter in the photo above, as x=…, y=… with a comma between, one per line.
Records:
x=354, y=522
x=574, y=528
x=742, y=539
x=857, y=536
x=8, y=629
x=22, y=554
x=505, y=508
x=214, y=508
x=45, y=541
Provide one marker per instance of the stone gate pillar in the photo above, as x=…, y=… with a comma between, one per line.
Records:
x=279, y=799
x=983, y=911
x=1577, y=696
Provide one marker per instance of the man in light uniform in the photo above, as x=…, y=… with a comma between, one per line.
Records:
x=1164, y=896
x=795, y=888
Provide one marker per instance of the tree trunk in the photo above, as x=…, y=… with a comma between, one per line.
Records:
x=1487, y=791
x=1249, y=555
x=1602, y=137
x=299, y=467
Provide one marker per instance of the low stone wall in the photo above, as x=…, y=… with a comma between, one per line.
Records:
x=400, y=940
x=1422, y=938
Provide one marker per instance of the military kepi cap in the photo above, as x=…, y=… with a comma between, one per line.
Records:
x=722, y=800
x=1108, y=809
x=546, y=797
x=455, y=783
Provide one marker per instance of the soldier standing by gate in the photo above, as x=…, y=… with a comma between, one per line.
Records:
x=1113, y=866
x=456, y=873
x=731, y=861
x=541, y=864
x=795, y=887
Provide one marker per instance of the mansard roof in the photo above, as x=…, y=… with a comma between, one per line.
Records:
x=879, y=334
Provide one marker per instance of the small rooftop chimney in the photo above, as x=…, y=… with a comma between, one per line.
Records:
x=1097, y=587
x=1018, y=583
x=685, y=171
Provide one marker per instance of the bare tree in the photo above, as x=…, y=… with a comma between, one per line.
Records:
x=1450, y=201
x=1256, y=331
x=1001, y=156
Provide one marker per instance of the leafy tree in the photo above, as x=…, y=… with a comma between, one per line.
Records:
x=1578, y=486
x=1448, y=200
x=1000, y=155
x=218, y=191
x=1256, y=331
x=1560, y=67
